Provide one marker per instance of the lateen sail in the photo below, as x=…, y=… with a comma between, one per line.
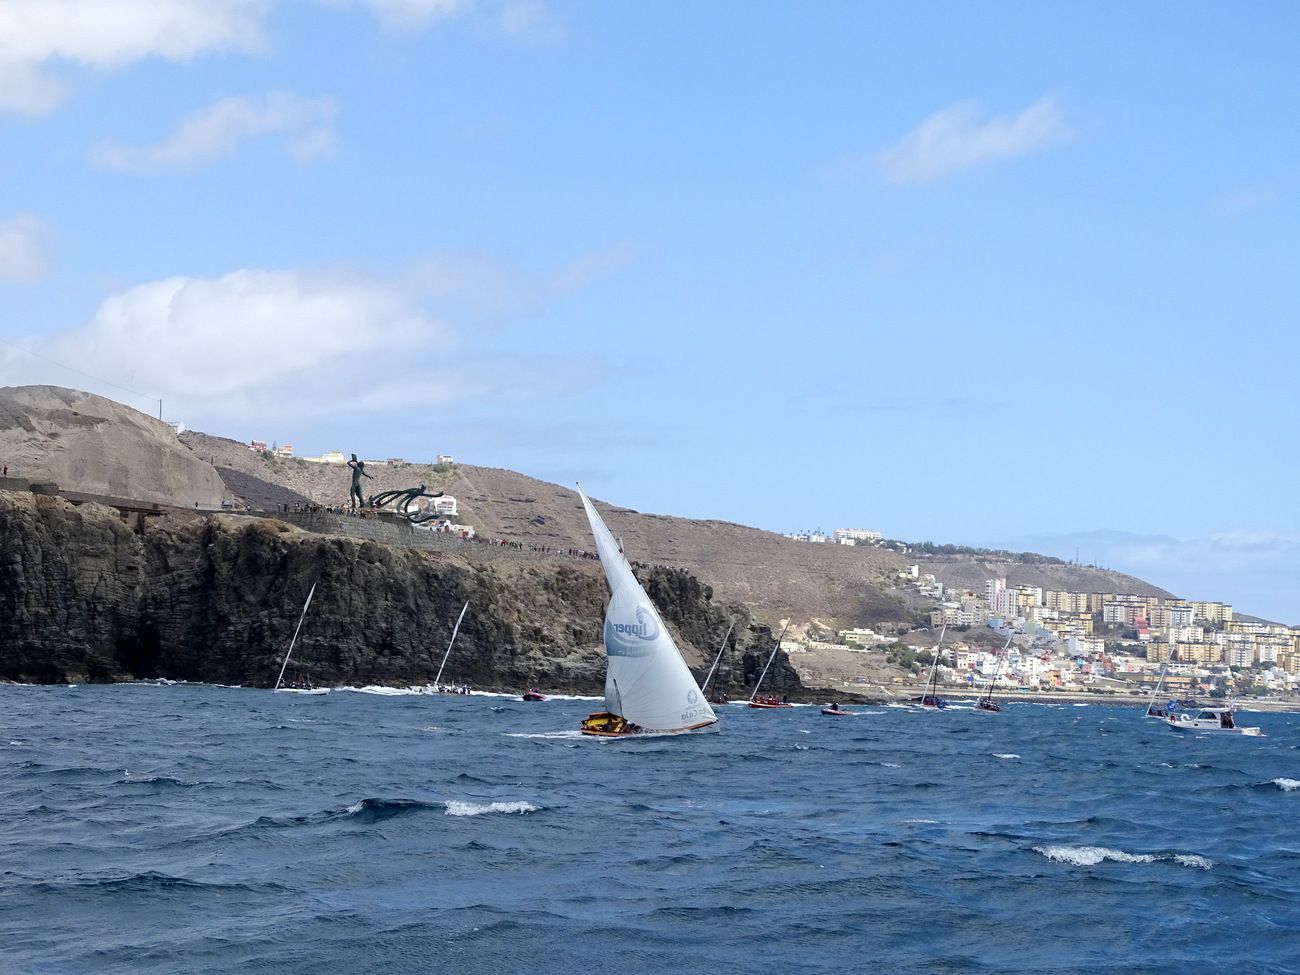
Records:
x=648, y=682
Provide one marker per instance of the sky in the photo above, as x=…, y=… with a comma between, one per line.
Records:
x=1010, y=274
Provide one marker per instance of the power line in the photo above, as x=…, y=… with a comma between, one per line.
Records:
x=79, y=372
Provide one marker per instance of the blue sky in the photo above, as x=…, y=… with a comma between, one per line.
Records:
x=971, y=273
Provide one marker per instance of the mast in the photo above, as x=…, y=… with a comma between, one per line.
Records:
x=998, y=669
x=437, y=681
x=718, y=659
x=1160, y=682
x=934, y=669
x=310, y=593
x=775, y=648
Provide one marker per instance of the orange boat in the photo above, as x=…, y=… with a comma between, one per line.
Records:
x=770, y=702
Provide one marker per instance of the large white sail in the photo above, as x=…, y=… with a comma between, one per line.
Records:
x=648, y=682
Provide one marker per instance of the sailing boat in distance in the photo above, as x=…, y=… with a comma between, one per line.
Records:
x=648, y=687
x=771, y=701
x=301, y=685
x=931, y=699
x=986, y=702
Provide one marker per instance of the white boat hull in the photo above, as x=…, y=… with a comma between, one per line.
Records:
x=1204, y=726
x=315, y=691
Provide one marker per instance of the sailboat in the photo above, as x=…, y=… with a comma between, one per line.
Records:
x=771, y=701
x=437, y=681
x=1152, y=710
x=304, y=686
x=985, y=703
x=648, y=687
x=718, y=697
x=931, y=699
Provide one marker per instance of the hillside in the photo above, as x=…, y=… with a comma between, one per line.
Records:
x=87, y=443
x=91, y=444
x=775, y=575
x=970, y=572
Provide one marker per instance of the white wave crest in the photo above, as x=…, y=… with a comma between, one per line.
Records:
x=891, y=765
x=457, y=808
x=1287, y=785
x=1090, y=856
x=1005, y=755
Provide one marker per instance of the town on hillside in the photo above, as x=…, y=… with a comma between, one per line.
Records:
x=1084, y=641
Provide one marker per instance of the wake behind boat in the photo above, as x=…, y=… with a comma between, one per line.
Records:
x=648, y=687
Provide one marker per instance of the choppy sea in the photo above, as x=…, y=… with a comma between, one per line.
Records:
x=202, y=829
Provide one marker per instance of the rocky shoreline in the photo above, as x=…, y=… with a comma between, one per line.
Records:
x=86, y=598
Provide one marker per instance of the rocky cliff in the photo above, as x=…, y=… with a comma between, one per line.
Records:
x=83, y=597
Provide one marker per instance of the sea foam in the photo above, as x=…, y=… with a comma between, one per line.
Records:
x=1090, y=856
x=1287, y=785
x=1005, y=755
x=457, y=808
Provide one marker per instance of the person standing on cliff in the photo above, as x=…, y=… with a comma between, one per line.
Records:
x=358, y=472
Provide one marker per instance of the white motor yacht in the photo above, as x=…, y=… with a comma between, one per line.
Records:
x=1216, y=720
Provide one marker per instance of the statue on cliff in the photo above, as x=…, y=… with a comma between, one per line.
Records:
x=358, y=472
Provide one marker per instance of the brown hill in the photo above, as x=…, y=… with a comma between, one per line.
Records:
x=91, y=444
x=87, y=443
x=971, y=571
x=776, y=576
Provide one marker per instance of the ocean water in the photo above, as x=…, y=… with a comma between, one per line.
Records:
x=203, y=829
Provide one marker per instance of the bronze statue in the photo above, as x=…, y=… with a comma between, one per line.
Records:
x=358, y=472
x=404, y=499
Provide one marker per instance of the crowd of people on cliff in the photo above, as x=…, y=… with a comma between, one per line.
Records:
x=457, y=530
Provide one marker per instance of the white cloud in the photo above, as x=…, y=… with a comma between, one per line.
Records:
x=293, y=344
x=23, y=243
x=958, y=138
x=211, y=338
x=36, y=35
x=217, y=130
x=408, y=15
x=528, y=20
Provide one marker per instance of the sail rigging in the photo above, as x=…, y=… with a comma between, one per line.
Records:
x=932, y=684
x=718, y=659
x=986, y=701
x=437, y=681
x=775, y=647
x=280, y=679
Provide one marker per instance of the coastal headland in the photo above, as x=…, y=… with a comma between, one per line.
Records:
x=87, y=597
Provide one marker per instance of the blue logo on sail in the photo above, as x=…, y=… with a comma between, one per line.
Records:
x=632, y=639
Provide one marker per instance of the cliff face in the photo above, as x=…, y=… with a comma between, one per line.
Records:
x=85, y=598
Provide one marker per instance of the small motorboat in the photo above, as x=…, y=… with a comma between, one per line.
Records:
x=533, y=694
x=834, y=710
x=1212, y=720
